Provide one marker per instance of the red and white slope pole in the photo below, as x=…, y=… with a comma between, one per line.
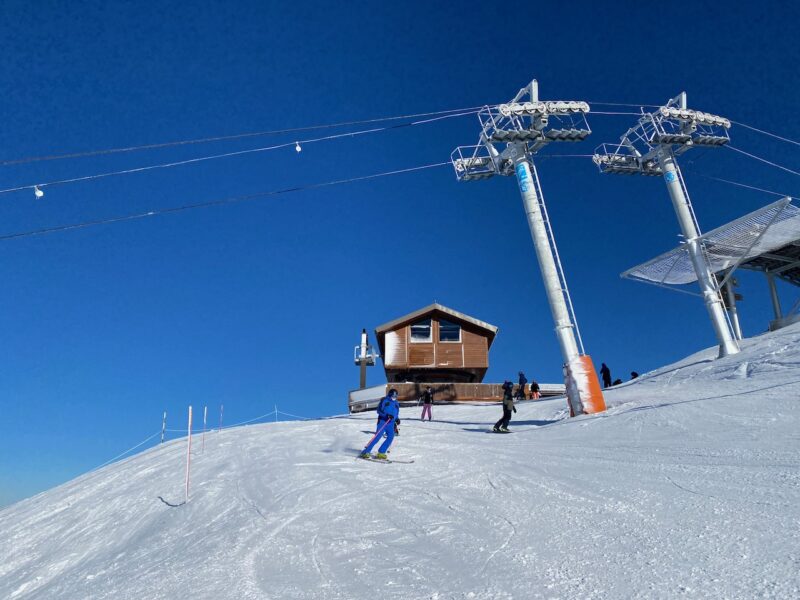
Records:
x=188, y=453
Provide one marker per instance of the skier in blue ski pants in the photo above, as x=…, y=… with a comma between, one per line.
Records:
x=389, y=413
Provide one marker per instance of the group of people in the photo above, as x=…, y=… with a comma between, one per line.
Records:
x=605, y=373
x=389, y=414
x=389, y=410
x=534, y=387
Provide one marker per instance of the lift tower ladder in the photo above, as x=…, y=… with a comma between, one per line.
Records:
x=524, y=126
x=651, y=147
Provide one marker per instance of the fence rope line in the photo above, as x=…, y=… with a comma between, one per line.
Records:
x=118, y=456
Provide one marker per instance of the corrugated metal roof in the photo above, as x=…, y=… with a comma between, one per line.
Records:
x=765, y=239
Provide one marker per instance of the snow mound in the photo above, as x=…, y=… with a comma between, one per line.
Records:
x=688, y=486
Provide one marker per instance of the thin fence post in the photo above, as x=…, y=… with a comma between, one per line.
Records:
x=276, y=413
x=163, y=426
x=188, y=452
x=221, y=408
x=205, y=414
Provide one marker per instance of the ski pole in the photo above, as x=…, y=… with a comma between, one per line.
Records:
x=377, y=433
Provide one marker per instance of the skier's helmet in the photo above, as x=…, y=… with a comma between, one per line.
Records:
x=393, y=393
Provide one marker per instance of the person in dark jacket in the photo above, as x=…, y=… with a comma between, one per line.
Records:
x=427, y=400
x=508, y=405
x=521, y=390
x=535, y=395
x=388, y=413
x=634, y=374
x=605, y=372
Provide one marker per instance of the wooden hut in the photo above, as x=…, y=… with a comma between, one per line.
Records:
x=440, y=347
x=435, y=344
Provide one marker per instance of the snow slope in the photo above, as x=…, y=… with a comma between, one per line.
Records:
x=688, y=487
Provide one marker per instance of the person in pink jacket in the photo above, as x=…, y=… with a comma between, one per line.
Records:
x=427, y=401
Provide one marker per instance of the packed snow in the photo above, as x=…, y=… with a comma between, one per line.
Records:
x=687, y=487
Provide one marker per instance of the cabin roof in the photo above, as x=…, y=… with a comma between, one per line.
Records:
x=432, y=308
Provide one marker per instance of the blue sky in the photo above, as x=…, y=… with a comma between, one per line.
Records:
x=260, y=303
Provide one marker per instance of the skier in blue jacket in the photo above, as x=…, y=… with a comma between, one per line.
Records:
x=388, y=416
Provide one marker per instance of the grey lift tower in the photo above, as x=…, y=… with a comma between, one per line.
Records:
x=364, y=356
x=524, y=126
x=651, y=148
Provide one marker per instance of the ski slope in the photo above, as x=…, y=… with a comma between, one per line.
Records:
x=687, y=487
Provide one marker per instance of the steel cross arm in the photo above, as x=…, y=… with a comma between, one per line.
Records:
x=791, y=265
x=784, y=259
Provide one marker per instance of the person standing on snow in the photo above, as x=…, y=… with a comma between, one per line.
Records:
x=388, y=417
x=605, y=372
x=522, y=381
x=427, y=400
x=535, y=395
x=508, y=405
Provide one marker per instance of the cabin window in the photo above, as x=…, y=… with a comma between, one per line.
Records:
x=449, y=331
x=421, y=331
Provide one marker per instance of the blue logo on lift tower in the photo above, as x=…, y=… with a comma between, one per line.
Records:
x=670, y=176
x=522, y=176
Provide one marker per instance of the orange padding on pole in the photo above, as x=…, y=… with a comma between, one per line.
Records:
x=582, y=370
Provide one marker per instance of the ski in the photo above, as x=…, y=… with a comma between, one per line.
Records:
x=385, y=460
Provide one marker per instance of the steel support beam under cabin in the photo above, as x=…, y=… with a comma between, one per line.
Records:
x=773, y=293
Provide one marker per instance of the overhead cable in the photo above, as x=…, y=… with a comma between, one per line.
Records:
x=778, y=137
x=764, y=160
x=229, y=200
x=237, y=136
x=623, y=104
x=739, y=184
x=39, y=186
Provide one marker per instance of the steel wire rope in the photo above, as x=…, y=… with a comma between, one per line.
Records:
x=227, y=154
x=89, y=153
x=766, y=133
x=223, y=201
x=39, y=186
x=764, y=160
x=601, y=112
x=737, y=183
x=590, y=103
x=237, y=136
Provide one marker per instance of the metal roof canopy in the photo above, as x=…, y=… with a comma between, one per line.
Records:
x=767, y=239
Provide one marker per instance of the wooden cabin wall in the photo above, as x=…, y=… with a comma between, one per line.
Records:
x=396, y=349
x=472, y=352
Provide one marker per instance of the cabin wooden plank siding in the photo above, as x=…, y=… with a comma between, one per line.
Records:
x=435, y=344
